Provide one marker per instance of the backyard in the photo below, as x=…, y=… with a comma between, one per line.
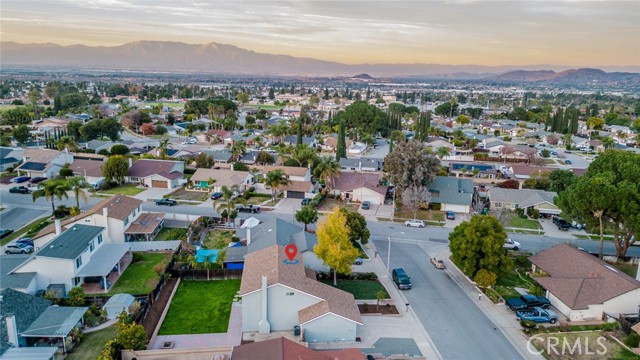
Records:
x=169, y=233
x=92, y=344
x=126, y=189
x=140, y=277
x=361, y=289
x=200, y=307
x=217, y=239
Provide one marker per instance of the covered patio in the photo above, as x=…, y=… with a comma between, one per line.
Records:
x=53, y=326
x=108, y=263
x=145, y=228
x=31, y=353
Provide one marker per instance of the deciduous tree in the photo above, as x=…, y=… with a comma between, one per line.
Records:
x=357, y=225
x=411, y=164
x=307, y=215
x=115, y=169
x=334, y=247
x=415, y=197
x=21, y=134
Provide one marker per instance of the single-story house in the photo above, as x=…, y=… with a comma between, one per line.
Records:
x=215, y=179
x=156, y=173
x=361, y=164
x=220, y=156
x=452, y=193
x=293, y=173
x=17, y=313
x=484, y=171
x=10, y=157
x=583, y=287
x=278, y=294
x=512, y=199
x=284, y=349
x=91, y=170
x=330, y=143
x=359, y=187
x=43, y=162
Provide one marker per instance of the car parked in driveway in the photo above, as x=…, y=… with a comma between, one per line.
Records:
x=38, y=179
x=451, y=215
x=414, y=223
x=19, y=190
x=527, y=301
x=166, y=202
x=16, y=248
x=19, y=179
x=537, y=315
x=561, y=223
x=358, y=261
x=366, y=205
x=26, y=241
x=216, y=195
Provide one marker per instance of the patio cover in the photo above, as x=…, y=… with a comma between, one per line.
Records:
x=146, y=223
x=103, y=261
x=29, y=353
x=249, y=223
x=56, y=321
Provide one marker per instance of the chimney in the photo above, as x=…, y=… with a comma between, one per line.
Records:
x=248, y=236
x=105, y=213
x=130, y=162
x=263, y=326
x=58, y=227
x=12, y=330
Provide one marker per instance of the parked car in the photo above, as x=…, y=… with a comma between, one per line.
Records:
x=5, y=232
x=248, y=208
x=19, y=179
x=16, y=248
x=568, y=162
x=537, y=315
x=216, y=195
x=305, y=201
x=19, y=190
x=527, y=301
x=511, y=245
x=38, y=179
x=554, y=153
x=561, y=223
x=401, y=279
x=451, y=215
x=438, y=263
x=365, y=205
x=167, y=202
x=358, y=261
x=26, y=241
x=414, y=223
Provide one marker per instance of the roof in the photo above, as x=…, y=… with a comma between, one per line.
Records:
x=147, y=167
x=285, y=349
x=303, y=186
x=11, y=280
x=26, y=308
x=91, y=168
x=55, y=321
x=235, y=253
x=40, y=155
x=523, y=197
x=276, y=231
x=29, y=353
x=451, y=190
x=363, y=162
x=70, y=243
x=471, y=166
x=349, y=181
x=120, y=299
x=580, y=279
x=30, y=165
x=104, y=259
x=288, y=170
x=269, y=262
x=222, y=177
x=146, y=223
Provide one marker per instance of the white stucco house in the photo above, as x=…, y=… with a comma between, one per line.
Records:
x=43, y=162
x=512, y=199
x=359, y=187
x=278, y=294
x=583, y=287
x=293, y=173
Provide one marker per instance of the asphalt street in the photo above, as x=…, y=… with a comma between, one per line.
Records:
x=17, y=217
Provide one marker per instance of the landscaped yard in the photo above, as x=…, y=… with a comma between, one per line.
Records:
x=361, y=289
x=628, y=269
x=126, y=189
x=140, y=278
x=328, y=205
x=200, y=307
x=182, y=194
x=92, y=344
x=428, y=215
x=257, y=200
x=592, y=345
x=515, y=221
x=28, y=230
x=218, y=239
x=168, y=233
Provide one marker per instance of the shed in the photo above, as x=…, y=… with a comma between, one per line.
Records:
x=117, y=304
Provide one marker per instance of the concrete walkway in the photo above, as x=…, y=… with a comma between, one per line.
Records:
x=104, y=325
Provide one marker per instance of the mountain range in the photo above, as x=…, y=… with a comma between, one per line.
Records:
x=228, y=59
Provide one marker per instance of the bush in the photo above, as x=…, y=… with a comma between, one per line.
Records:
x=528, y=324
x=485, y=278
x=159, y=268
x=633, y=340
x=61, y=211
x=535, y=214
x=161, y=130
x=137, y=257
x=436, y=206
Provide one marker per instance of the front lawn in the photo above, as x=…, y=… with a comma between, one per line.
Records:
x=140, y=278
x=628, y=269
x=92, y=344
x=126, y=189
x=515, y=221
x=257, y=200
x=200, y=307
x=182, y=194
x=168, y=233
x=328, y=205
x=361, y=289
x=422, y=214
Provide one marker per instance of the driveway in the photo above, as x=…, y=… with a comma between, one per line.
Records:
x=550, y=229
x=287, y=206
x=152, y=194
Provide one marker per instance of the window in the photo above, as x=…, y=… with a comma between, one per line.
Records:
x=126, y=221
x=78, y=261
x=290, y=293
x=100, y=239
x=76, y=281
x=92, y=246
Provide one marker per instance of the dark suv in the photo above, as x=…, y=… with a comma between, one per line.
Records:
x=401, y=279
x=248, y=208
x=561, y=223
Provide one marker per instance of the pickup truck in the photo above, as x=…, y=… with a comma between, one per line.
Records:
x=527, y=301
x=561, y=223
x=248, y=208
x=537, y=315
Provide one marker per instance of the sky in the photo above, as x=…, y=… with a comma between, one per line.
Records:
x=455, y=32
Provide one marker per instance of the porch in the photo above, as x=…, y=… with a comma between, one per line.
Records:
x=105, y=268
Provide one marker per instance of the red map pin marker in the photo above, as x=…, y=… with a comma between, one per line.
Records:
x=291, y=250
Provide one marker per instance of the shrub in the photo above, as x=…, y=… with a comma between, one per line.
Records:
x=161, y=130
x=159, y=268
x=485, y=278
x=535, y=214
x=528, y=324
x=136, y=257
x=65, y=171
x=436, y=206
x=61, y=211
x=110, y=350
x=633, y=340
x=76, y=297
x=74, y=211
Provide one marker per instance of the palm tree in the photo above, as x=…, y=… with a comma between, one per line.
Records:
x=238, y=149
x=77, y=183
x=443, y=151
x=227, y=201
x=69, y=143
x=164, y=144
x=50, y=190
x=274, y=179
x=327, y=169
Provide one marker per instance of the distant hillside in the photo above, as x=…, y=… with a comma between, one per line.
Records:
x=524, y=76
x=363, y=77
x=583, y=76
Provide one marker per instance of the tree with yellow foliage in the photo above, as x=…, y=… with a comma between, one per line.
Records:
x=334, y=247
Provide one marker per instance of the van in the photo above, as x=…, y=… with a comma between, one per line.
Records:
x=401, y=279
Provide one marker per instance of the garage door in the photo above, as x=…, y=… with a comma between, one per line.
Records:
x=455, y=208
x=159, y=184
x=295, y=195
x=373, y=199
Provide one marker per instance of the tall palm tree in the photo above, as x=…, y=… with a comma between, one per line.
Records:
x=227, y=201
x=274, y=179
x=69, y=143
x=238, y=149
x=51, y=190
x=327, y=169
x=77, y=183
x=164, y=144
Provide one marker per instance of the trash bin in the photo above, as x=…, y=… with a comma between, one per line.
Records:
x=296, y=330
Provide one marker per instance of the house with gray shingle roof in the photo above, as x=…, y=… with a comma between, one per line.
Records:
x=10, y=157
x=9, y=279
x=361, y=164
x=512, y=199
x=359, y=187
x=452, y=193
x=18, y=311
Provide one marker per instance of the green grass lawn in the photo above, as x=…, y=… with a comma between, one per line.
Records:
x=428, y=215
x=507, y=292
x=127, y=189
x=200, y=307
x=168, y=233
x=256, y=200
x=139, y=278
x=361, y=289
x=28, y=230
x=329, y=204
x=517, y=222
x=628, y=269
x=182, y=194
x=92, y=344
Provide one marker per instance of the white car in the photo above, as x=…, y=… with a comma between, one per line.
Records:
x=511, y=245
x=414, y=223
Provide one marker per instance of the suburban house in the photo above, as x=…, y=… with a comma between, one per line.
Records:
x=91, y=170
x=116, y=214
x=280, y=232
x=438, y=143
x=220, y=156
x=357, y=148
x=583, y=287
x=215, y=179
x=156, y=173
x=75, y=256
x=359, y=187
x=43, y=162
x=278, y=294
x=299, y=189
x=512, y=199
x=306, y=140
x=361, y=164
x=452, y=193
x=293, y=173
x=284, y=349
x=10, y=157
x=524, y=171
x=23, y=282
x=484, y=171
x=330, y=143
